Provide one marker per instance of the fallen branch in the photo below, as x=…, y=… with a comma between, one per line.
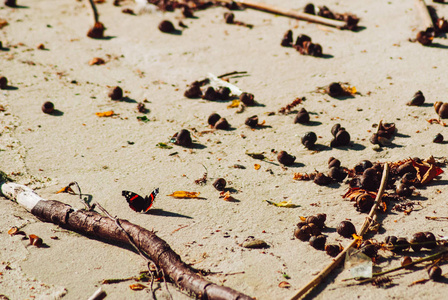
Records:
x=324, y=273
x=91, y=223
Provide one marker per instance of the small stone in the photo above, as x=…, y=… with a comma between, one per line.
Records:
x=255, y=244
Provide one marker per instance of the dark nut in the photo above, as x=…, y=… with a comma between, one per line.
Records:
x=370, y=250
x=408, y=179
x=368, y=183
x=335, y=129
x=321, y=218
x=309, y=9
x=425, y=38
x=303, y=233
x=401, y=244
x=418, y=99
x=115, y=93
x=252, y=121
x=321, y=179
x=222, y=124
x=390, y=242
x=213, y=118
x=346, y=229
x=364, y=202
x=3, y=82
x=193, y=91
x=97, y=31
x=337, y=173
x=301, y=223
x=333, y=250
x=315, y=230
x=287, y=39
x=315, y=50
x=333, y=162
x=318, y=242
x=48, y=107
x=210, y=94
x=301, y=39
x=342, y=138
x=220, y=184
x=166, y=26
x=430, y=238
x=435, y=273
x=418, y=238
x=405, y=260
x=285, y=159
x=404, y=190
x=309, y=139
x=224, y=93
x=438, y=138
x=229, y=17
x=11, y=3
x=182, y=138
x=302, y=117
x=363, y=165
x=187, y=12
x=247, y=99
x=141, y=107
x=406, y=168
x=335, y=90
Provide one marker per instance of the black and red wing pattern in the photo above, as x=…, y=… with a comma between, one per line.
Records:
x=137, y=202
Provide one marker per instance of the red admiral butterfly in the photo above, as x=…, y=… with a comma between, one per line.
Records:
x=137, y=202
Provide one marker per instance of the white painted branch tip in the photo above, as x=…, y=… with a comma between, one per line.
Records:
x=21, y=194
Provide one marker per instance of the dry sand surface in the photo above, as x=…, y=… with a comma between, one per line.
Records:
x=108, y=155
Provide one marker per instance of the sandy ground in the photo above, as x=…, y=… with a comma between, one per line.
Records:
x=108, y=155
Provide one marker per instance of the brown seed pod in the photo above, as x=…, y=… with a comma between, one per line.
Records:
x=404, y=190
x=314, y=50
x=320, y=220
x=301, y=39
x=309, y=9
x=252, y=122
x=418, y=237
x=430, y=238
x=287, y=39
x=247, y=99
x=35, y=240
x=315, y=230
x=406, y=168
x=115, y=93
x=166, y=26
x=301, y=223
x=408, y=179
x=193, y=91
x=438, y=138
x=213, y=118
x=318, y=242
x=210, y=94
x=220, y=184
x=342, y=138
x=435, y=273
x=362, y=166
x=187, y=12
x=405, y=260
x=346, y=229
x=229, y=17
x=285, y=159
x=303, y=233
x=309, y=139
x=97, y=31
x=337, y=173
x=321, y=179
x=417, y=100
x=401, y=244
x=335, y=90
x=441, y=109
x=335, y=129
x=370, y=250
x=224, y=93
x=222, y=124
x=425, y=38
x=11, y=3
x=302, y=117
x=48, y=107
x=3, y=82
x=333, y=250
x=311, y=219
x=182, y=138
x=364, y=202
x=333, y=162
x=141, y=107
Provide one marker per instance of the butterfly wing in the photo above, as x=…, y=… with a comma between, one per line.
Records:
x=150, y=199
x=136, y=202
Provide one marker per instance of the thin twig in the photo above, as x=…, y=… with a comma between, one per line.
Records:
x=324, y=273
x=95, y=11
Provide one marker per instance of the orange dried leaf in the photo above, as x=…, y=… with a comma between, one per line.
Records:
x=185, y=194
x=235, y=103
x=15, y=231
x=357, y=237
x=284, y=285
x=137, y=287
x=257, y=166
x=426, y=172
x=66, y=189
x=303, y=219
x=96, y=61
x=105, y=114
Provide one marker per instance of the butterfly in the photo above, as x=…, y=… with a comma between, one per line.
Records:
x=137, y=202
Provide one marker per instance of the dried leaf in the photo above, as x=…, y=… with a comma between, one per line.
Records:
x=137, y=287
x=235, y=103
x=96, y=61
x=283, y=204
x=15, y=231
x=257, y=166
x=3, y=23
x=185, y=194
x=66, y=189
x=426, y=172
x=284, y=285
x=256, y=155
x=105, y=114
x=302, y=218
x=227, y=197
x=255, y=243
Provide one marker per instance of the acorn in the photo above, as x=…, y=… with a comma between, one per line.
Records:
x=166, y=26
x=404, y=190
x=220, y=184
x=318, y=242
x=333, y=162
x=309, y=139
x=335, y=90
x=285, y=159
x=115, y=93
x=441, y=109
x=193, y=91
x=418, y=237
x=311, y=219
x=3, y=82
x=417, y=100
x=287, y=39
x=301, y=223
x=247, y=99
x=337, y=173
x=438, y=138
x=333, y=250
x=222, y=124
x=364, y=202
x=302, y=117
x=363, y=165
x=335, y=129
x=309, y=9
x=342, y=138
x=11, y=3
x=320, y=220
x=303, y=233
x=213, y=118
x=321, y=179
x=48, y=107
x=224, y=93
x=346, y=229
x=252, y=121
x=315, y=230
x=182, y=138
x=229, y=17
x=430, y=238
x=435, y=273
x=405, y=260
x=425, y=38
x=210, y=94
x=97, y=31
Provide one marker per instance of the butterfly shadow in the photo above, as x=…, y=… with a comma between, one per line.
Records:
x=165, y=213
